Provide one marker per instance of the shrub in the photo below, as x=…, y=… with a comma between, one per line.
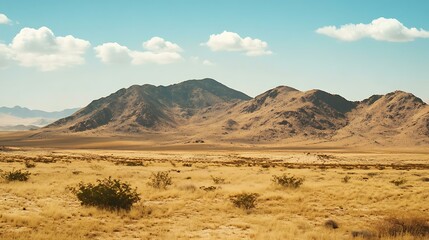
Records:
x=403, y=225
x=16, y=175
x=331, y=224
x=245, y=200
x=110, y=194
x=398, y=182
x=29, y=164
x=209, y=188
x=160, y=180
x=288, y=182
x=346, y=179
x=218, y=180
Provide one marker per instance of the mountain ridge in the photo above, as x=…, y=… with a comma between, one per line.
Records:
x=208, y=109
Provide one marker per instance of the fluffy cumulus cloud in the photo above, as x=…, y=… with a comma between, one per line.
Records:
x=4, y=19
x=41, y=49
x=381, y=29
x=157, y=50
x=232, y=42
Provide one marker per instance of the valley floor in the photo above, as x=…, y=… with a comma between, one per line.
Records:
x=44, y=208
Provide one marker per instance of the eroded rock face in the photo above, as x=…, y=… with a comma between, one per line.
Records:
x=100, y=118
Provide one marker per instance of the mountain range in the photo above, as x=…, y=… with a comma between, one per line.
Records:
x=206, y=109
x=20, y=118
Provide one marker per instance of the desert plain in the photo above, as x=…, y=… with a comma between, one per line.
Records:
x=347, y=193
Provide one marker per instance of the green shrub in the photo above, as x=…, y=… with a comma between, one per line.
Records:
x=245, y=200
x=288, y=182
x=16, y=175
x=110, y=194
x=160, y=180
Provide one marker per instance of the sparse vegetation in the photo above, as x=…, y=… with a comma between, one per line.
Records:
x=416, y=226
x=346, y=179
x=160, y=180
x=110, y=194
x=29, y=164
x=16, y=175
x=288, y=181
x=218, y=180
x=399, y=182
x=245, y=200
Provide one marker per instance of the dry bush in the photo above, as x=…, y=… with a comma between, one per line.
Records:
x=346, y=179
x=331, y=224
x=110, y=194
x=288, y=182
x=160, y=180
x=399, y=181
x=244, y=200
x=16, y=175
x=416, y=226
x=29, y=164
x=218, y=180
x=209, y=188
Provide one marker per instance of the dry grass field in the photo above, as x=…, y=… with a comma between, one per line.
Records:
x=354, y=190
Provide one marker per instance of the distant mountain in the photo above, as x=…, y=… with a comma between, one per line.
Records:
x=151, y=107
x=19, y=118
x=18, y=128
x=206, y=109
x=23, y=112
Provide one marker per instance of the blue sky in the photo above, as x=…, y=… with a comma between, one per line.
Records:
x=284, y=47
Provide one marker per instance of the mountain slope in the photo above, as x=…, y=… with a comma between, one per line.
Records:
x=148, y=107
x=206, y=109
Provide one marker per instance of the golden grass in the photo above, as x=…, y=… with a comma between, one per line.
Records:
x=43, y=208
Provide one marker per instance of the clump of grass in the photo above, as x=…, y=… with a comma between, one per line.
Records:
x=331, y=224
x=16, y=175
x=244, y=200
x=209, y=188
x=29, y=164
x=110, y=194
x=416, y=226
x=218, y=180
x=346, y=179
x=399, y=182
x=160, y=180
x=288, y=182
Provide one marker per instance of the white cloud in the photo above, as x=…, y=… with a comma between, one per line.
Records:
x=113, y=53
x=381, y=29
x=158, y=51
x=40, y=48
x=157, y=45
x=232, y=42
x=4, y=19
x=5, y=56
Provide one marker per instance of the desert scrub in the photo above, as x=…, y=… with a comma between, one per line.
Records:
x=398, y=182
x=160, y=180
x=29, y=164
x=110, y=194
x=218, y=180
x=397, y=226
x=346, y=179
x=244, y=200
x=288, y=182
x=16, y=175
